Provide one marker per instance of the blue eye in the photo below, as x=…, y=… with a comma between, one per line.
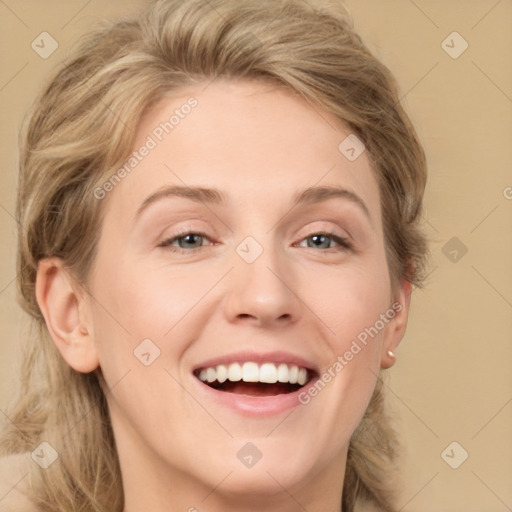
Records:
x=192, y=241
x=186, y=242
x=325, y=241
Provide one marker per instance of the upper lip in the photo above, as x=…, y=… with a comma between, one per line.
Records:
x=257, y=357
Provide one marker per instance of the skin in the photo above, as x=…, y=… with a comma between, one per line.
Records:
x=259, y=146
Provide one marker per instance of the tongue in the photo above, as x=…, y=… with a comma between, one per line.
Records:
x=256, y=388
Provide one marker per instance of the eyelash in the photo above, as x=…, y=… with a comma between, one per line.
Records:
x=343, y=243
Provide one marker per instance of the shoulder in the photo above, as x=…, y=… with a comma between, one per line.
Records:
x=14, y=475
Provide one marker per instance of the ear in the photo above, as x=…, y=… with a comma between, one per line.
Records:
x=65, y=308
x=395, y=329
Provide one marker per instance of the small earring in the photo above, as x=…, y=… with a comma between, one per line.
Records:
x=83, y=330
x=391, y=354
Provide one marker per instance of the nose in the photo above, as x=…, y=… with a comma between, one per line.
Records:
x=263, y=293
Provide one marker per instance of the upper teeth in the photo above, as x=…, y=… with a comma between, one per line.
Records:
x=252, y=372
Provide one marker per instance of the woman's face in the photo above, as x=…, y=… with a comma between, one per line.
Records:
x=242, y=243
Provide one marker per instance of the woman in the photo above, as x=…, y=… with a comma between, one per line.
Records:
x=219, y=210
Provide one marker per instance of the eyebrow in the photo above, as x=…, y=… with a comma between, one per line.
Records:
x=214, y=196
x=197, y=194
x=323, y=193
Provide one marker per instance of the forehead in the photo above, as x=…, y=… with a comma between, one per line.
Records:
x=253, y=140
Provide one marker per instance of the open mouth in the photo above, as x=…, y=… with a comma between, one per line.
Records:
x=249, y=378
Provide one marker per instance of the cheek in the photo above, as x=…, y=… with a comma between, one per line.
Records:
x=148, y=303
x=134, y=303
x=351, y=302
x=144, y=317
x=350, y=299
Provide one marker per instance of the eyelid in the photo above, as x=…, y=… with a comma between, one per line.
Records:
x=329, y=227
x=183, y=232
x=342, y=241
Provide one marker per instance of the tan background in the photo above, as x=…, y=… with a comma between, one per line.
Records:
x=452, y=381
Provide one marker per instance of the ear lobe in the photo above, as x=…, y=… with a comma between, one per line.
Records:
x=395, y=330
x=62, y=305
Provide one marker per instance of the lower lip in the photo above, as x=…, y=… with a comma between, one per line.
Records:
x=256, y=406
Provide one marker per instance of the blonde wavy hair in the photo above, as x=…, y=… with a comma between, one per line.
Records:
x=81, y=129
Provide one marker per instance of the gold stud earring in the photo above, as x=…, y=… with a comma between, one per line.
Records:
x=391, y=354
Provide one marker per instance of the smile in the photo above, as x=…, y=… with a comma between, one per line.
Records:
x=255, y=379
x=255, y=384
